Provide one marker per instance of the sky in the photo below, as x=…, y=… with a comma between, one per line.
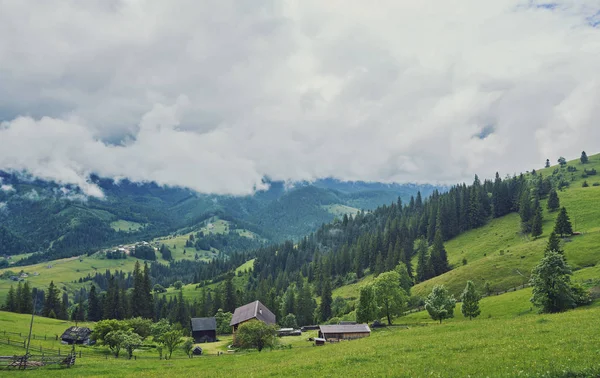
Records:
x=217, y=95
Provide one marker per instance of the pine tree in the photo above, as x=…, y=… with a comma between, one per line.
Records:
x=229, y=304
x=147, y=294
x=439, y=257
x=18, y=295
x=525, y=212
x=80, y=312
x=94, y=310
x=64, y=307
x=553, y=201
x=325, y=306
x=11, y=300
x=547, y=163
x=553, y=244
x=584, y=158
x=52, y=303
x=536, y=223
x=422, y=258
x=551, y=281
x=26, y=299
x=470, y=301
x=138, y=305
x=563, y=224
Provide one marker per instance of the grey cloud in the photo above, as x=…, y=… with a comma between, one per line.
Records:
x=216, y=95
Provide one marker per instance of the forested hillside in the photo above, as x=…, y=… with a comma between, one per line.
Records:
x=58, y=221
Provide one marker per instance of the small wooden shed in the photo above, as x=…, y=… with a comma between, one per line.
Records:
x=197, y=351
x=76, y=335
x=344, y=331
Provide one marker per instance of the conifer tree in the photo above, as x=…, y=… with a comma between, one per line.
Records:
x=26, y=300
x=229, y=299
x=11, y=300
x=439, y=257
x=470, y=301
x=18, y=294
x=422, y=259
x=563, y=224
x=64, y=307
x=547, y=163
x=584, y=158
x=525, y=212
x=325, y=306
x=138, y=305
x=52, y=302
x=554, y=244
x=536, y=223
x=94, y=310
x=147, y=294
x=553, y=201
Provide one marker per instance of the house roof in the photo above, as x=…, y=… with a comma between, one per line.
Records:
x=76, y=333
x=204, y=324
x=344, y=328
x=250, y=311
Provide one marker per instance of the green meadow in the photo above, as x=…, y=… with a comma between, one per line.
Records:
x=508, y=339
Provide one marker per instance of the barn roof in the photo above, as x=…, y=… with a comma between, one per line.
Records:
x=204, y=324
x=76, y=333
x=345, y=328
x=250, y=311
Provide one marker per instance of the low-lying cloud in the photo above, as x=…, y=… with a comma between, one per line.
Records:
x=217, y=95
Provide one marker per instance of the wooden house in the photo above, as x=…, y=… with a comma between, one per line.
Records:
x=204, y=330
x=77, y=335
x=344, y=331
x=254, y=310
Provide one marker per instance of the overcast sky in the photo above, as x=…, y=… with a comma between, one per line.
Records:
x=216, y=95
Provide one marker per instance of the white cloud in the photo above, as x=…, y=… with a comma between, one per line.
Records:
x=216, y=95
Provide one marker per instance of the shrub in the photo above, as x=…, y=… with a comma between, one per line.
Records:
x=585, y=184
x=596, y=184
x=464, y=261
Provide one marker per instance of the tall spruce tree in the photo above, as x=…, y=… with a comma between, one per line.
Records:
x=64, y=307
x=138, y=305
x=470, y=301
x=52, y=303
x=94, y=309
x=553, y=244
x=584, y=158
x=423, y=272
x=11, y=300
x=547, y=163
x=148, y=299
x=438, y=256
x=536, y=222
x=326, y=299
x=563, y=223
x=525, y=211
x=553, y=201
x=26, y=300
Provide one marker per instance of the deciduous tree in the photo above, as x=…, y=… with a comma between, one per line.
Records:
x=255, y=335
x=391, y=298
x=440, y=303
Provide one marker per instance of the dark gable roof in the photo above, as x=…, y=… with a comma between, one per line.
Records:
x=344, y=328
x=76, y=333
x=204, y=324
x=253, y=310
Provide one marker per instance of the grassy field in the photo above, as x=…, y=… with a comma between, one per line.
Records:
x=507, y=340
x=339, y=210
x=64, y=271
x=127, y=226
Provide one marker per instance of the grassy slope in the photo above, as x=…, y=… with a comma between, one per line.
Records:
x=123, y=225
x=498, y=253
x=507, y=340
x=64, y=271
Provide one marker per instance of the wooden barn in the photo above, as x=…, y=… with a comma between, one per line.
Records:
x=204, y=330
x=344, y=331
x=254, y=310
x=76, y=335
